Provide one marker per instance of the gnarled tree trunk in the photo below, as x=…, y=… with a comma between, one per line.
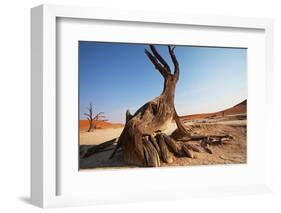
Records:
x=142, y=140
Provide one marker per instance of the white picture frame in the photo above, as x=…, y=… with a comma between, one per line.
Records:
x=44, y=153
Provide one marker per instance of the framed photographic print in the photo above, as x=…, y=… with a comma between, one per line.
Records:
x=154, y=106
x=109, y=136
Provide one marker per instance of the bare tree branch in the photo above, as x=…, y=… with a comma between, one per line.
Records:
x=88, y=115
x=175, y=61
x=160, y=59
x=157, y=65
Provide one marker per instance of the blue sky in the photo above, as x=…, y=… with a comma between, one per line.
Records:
x=117, y=77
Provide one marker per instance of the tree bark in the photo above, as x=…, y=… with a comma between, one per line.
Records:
x=91, y=126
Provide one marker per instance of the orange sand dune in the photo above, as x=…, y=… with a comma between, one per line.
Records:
x=240, y=108
x=84, y=125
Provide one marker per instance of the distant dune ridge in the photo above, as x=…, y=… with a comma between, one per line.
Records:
x=84, y=125
x=240, y=108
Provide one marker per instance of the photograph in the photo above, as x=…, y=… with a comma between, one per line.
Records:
x=156, y=105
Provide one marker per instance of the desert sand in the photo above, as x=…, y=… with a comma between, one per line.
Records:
x=233, y=122
x=235, y=152
x=99, y=136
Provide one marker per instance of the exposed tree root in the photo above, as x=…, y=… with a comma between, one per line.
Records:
x=165, y=154
x=161, y=148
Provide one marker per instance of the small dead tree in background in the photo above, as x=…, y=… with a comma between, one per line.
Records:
x=92, y=117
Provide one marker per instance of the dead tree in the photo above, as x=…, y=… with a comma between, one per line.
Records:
x=142, y=139
x=91, y=117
